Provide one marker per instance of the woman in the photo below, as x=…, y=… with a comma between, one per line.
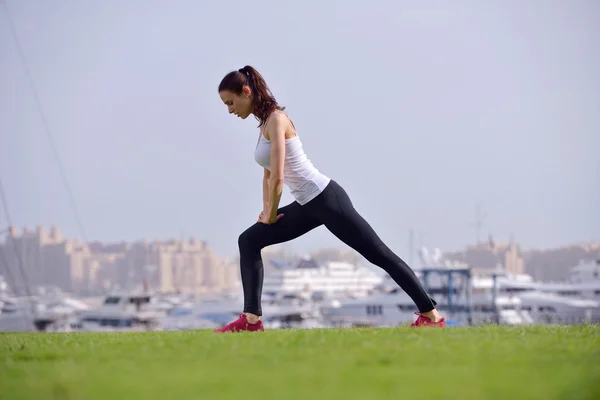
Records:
x=319, y=200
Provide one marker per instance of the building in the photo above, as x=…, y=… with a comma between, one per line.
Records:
x=41, y=258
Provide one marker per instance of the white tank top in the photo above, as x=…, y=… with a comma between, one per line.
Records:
x=299, y=174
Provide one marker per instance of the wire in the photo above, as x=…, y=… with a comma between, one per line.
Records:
x=44, y=121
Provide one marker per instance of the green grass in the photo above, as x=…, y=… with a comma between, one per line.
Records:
x=402, y=363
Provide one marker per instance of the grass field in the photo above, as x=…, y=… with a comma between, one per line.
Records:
x=402, y=363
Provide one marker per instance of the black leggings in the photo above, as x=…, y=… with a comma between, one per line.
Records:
x=331, y=208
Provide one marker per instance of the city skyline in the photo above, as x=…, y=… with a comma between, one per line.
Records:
x=489, y=241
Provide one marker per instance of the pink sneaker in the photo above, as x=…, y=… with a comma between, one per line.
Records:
x=426, y=321
x=241, y=324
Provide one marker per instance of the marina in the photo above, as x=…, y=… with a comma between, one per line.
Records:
x=320, y=295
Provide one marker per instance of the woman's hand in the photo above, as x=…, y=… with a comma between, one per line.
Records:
x=263, y=218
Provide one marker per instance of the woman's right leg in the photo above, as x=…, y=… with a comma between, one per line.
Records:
x=294, y=223
x=339, y=216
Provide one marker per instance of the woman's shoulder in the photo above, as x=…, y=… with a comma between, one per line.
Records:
x=279, y=120
x=278, y=116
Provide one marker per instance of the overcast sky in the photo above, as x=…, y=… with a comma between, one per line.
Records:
x=421, y=110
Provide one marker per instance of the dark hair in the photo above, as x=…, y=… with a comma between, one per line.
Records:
x=264, y=102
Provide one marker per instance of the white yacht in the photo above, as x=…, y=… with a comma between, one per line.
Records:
x=571, y=302
x=124, y=312
x=331, y=278
x=583, y=283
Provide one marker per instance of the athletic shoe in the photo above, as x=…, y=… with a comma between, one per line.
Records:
x=241, y=324
x=426, y=321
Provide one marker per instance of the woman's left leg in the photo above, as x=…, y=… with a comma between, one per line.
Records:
x=334, y=209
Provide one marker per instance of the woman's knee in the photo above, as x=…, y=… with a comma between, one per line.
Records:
x=249, y=240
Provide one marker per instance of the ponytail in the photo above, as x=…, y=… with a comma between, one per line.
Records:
x=263, y=101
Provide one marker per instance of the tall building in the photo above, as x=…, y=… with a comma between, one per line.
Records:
x=491, y=256
x=40, y=258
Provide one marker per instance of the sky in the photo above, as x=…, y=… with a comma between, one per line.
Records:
x=422, y=111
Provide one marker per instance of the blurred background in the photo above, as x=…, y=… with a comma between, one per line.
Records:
x=467, y=134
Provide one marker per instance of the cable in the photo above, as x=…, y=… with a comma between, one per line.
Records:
x=45, y=122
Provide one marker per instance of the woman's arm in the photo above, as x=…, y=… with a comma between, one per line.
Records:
x=276, y=131
x=266, y=176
